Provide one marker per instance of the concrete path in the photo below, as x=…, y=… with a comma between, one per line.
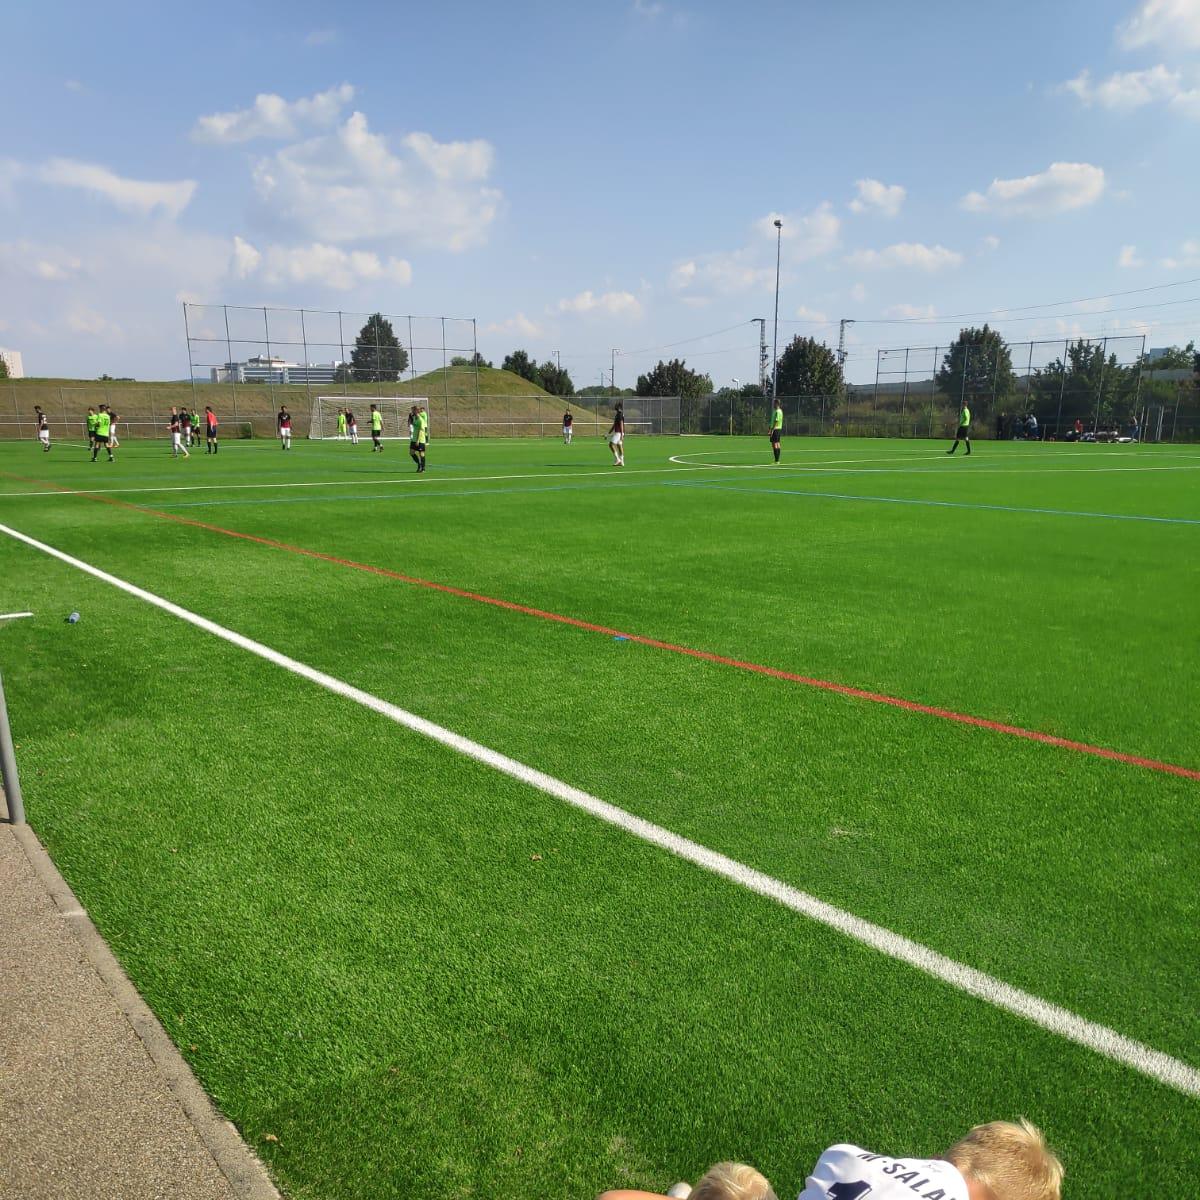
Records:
x=96, y=1103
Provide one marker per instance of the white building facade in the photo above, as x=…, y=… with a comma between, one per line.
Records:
x=261, y=369
x=12, y=360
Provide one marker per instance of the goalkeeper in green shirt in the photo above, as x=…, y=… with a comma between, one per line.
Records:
x=376, y=429
x=964, y=430
x=776, y=429
x=421, y=436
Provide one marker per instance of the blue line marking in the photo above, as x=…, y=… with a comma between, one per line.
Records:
x=1047, y=512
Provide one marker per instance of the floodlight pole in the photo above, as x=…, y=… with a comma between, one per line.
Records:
x=775, y=349
x=8, y=767
x=612, y=374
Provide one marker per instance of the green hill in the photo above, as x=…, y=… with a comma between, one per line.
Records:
x=461, y=401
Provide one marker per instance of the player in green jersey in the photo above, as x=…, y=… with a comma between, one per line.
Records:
x=376, y=429
x=100, y=437
x=91, y=426
x=964, y=430
x=776, y=429
x=421, y=434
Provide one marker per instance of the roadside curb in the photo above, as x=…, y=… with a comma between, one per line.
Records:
x=246, y=1174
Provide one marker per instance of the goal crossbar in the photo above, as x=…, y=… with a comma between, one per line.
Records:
x=325, y=426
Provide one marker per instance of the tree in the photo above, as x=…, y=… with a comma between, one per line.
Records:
x=977, y=368
x=809, y=370
x=476, y=360
x=1174, y=358
x=553, y=379
x=674, y=379
x=519, y=363
x=377, y=356
x=3, y=369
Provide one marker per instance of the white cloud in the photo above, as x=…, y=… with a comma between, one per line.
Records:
x=73, y=85
x=910, y=255
x=90, y=323
x=878, y=197
x=651, y=10
x=1188, y=256
x=520, y=325
x=804, y=313
x=615, y=304
x=858, y=293
x=1060, y=188
x=1126, y=89
x=1169, y=24
x=991, y=242
x=327, y=265
x=320, y=37
x=1129, y=257
x=129, y=195
x=724, y=273
x=29, y=261
x=348, y=185
x=465, y=161
x=805, y=235
x=910, y=312
x=271, y=116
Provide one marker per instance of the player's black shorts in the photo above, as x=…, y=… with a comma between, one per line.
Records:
x=100, y=441
x=775, y=434
x=964, y=431
x=412, y=446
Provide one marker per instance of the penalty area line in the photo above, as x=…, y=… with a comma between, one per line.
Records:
x=1051, y=1017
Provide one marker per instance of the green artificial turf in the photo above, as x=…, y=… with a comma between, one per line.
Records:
x=425, y=978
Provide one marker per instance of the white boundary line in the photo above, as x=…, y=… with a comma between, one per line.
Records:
x=603, y=471
x=14, y=616
x=1098, y=1038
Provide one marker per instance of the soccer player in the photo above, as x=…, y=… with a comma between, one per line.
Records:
x=352, y=426
x=616, y=437
x=91, y=426
x=176, y=426
x=776, y=429
x=999, y=1161
x=210, y=430
x=725, y=1181
x=376, y=429
x=568, y=421
x=103, y=428
x=283, y=422
x=421, y=432
x=113, y=440
x=412, y=437
x=341, y=425
x=43, y=428
x=185, y=427
x=964, y=430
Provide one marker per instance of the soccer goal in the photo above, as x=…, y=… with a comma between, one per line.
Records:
x=517, y=429
x=325, y=409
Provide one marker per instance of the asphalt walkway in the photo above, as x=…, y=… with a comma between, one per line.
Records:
x=96, y=1103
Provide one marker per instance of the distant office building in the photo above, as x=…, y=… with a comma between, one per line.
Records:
x=1157, y=352
x=261, y=369
x=12, y=360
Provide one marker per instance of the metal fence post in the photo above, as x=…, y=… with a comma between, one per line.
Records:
x=8, y=767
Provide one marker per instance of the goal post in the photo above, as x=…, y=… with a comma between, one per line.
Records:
x=323, y=425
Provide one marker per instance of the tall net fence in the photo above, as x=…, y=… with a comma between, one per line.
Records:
x=1089, y=388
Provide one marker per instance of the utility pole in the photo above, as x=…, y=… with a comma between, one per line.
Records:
x=775, y=352
x=842, y=339
x=558, y=356
x=612, y=374
x=762, y=351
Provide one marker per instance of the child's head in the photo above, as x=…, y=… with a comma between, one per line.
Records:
x=732, y=1181
x=1011, y=1160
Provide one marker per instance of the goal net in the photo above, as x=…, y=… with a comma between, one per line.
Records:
x=394, y=410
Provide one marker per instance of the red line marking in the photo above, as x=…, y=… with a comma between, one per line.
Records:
x=825, y=685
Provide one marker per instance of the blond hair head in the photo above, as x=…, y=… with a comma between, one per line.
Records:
x=732, y=1181
x=1010, y=1159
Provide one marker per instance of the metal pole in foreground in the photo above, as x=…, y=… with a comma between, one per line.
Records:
x=775, y=345
x=8, y=767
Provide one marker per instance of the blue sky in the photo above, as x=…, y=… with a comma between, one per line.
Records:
x=582, y=177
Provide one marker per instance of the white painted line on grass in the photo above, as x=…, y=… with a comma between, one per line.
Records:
x=1098, y=1038
x=14, y=616
x=603, y=471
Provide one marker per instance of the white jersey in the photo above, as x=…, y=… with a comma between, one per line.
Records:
x=852, y=1173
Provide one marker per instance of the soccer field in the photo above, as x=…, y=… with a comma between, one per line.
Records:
x=952, y=698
